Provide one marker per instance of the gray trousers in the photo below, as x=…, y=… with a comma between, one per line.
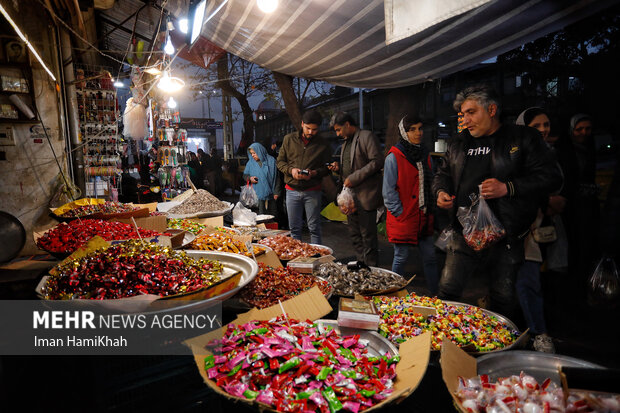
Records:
x=363, y=230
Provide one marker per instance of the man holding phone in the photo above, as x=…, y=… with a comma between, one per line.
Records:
x=302, y=160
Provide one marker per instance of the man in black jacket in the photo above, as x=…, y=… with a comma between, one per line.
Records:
x=511, y=168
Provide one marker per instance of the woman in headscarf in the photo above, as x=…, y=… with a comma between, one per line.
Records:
x=407, y=197
x=262, y=173
x=528, y=287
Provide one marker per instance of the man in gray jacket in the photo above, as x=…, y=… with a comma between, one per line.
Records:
x=360, y=166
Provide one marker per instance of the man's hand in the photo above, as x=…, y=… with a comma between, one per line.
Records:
x=492, y=188
x=334, y=166
x=296, y=174
x=253, y=179
x=347, y=183
x=275, y=197
x=444, y=200
x=347, y=211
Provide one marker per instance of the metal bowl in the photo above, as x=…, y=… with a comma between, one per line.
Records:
x=538, y=365
x=331, y=251
x=377, y=344
x=519, y=342
x=190, y=302
x=166, y=206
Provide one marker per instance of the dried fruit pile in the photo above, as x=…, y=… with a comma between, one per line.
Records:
x=288, y=248
x=279, y=284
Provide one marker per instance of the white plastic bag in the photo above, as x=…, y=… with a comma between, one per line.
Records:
x=134, y=119
x=345, y=199
x=243, y=216
x=248, y=196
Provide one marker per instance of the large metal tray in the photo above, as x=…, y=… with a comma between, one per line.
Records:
x=519, y=342
x=166, y=206
x=382, y=292
x=538, y=365
x=233, y=264
x=377, y=344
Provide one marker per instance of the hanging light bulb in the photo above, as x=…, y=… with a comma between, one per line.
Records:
x=170, y=84
x=172, y=103
x=267, y=6
x=184, y=25
x=169, y=48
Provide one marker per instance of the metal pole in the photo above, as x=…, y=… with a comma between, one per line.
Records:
x=361, y=105
x=72, y=109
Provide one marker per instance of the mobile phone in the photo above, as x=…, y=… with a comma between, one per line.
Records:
x=304, y=172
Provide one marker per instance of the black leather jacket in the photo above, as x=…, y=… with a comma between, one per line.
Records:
x=519, y=158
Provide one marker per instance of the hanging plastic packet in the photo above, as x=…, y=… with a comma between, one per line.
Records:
x=481, y=228
x=603, y=285
x=444, y=238
x=248, y=196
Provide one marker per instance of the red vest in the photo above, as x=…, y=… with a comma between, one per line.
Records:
x=412, y=222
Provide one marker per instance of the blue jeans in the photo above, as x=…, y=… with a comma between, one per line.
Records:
x=530, y=296
x=424, y=257
x=296, y=203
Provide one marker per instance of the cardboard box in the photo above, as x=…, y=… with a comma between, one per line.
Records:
x=356, y=313
x=312, y=305
x=306, y=265
x=155, y=223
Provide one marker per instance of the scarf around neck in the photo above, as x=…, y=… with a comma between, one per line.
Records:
x=417, y=156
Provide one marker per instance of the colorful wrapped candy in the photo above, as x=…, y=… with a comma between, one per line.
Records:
x=290, y=366
x=67, y=237
x=467, y=326
x=108, y=207
x=219, y=241
x=520, y=393
x=186, y=224
x=128, y=269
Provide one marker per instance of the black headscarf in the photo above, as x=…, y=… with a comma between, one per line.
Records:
x=417, y=155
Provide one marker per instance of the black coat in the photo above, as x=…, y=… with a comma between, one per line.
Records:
x=519, y=158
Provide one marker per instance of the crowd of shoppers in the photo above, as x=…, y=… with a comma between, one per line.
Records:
x=538, y=185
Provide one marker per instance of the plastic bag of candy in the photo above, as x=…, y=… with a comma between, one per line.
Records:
x=481, y=228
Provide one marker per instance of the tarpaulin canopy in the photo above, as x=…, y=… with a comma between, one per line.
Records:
x=344, y=41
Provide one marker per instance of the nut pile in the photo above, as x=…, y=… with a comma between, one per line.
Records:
x=200, y=201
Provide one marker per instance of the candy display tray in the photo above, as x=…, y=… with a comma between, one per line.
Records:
x=238, y=272
x=165, y=206
x=377, y=344
x=518, y=343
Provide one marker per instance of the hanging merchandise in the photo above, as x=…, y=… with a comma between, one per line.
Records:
x=134, y=120
x=97, y=110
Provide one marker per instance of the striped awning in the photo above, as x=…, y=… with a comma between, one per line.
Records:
x=344, y=41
